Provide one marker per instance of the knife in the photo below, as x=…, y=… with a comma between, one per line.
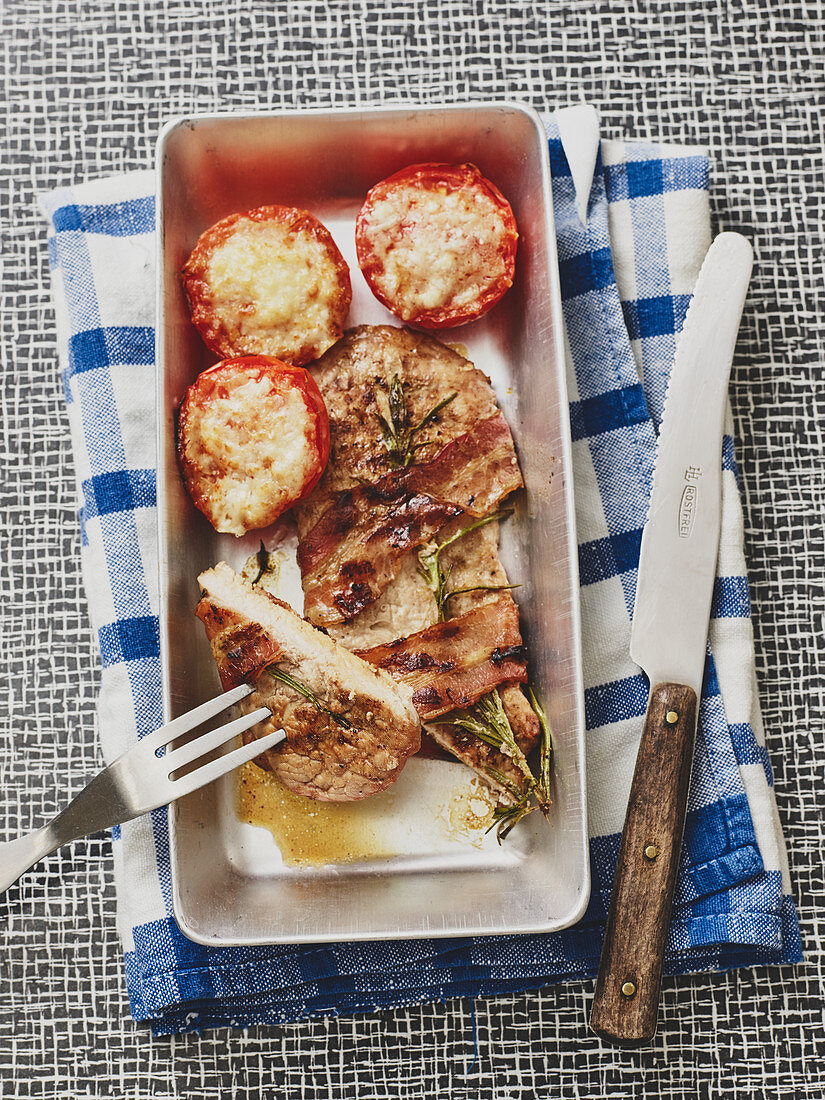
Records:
x=677, y=568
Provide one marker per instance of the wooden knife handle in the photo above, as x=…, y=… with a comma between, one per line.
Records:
x=626, y=1001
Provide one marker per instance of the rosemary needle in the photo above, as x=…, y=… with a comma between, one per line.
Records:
x=296, y=685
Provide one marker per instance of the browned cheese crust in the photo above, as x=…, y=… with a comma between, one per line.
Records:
x=269, y=281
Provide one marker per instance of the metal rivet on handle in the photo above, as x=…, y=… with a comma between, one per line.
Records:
x=628, y=989
x=671, y=717
x=651, y=851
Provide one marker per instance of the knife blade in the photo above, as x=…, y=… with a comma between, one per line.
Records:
x=674, y=589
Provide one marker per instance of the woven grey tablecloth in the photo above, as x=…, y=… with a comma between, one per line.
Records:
x=86, y=86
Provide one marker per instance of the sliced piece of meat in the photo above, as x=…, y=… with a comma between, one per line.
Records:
x=368, y=727
x=472, y=560
x=352, y=553
x=354, y=378
x=452, y=664
x=405, y=606
x=407, y=603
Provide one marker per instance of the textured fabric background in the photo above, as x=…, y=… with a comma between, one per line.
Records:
x=85, y=88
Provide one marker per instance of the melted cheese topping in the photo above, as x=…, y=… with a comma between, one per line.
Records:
x=274, y=289
x=252, y=453
x=435, y=247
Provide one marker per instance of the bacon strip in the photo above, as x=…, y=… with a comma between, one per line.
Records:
x=241, y=648
x=452, y=664
x=352, y=553
x=476, y=470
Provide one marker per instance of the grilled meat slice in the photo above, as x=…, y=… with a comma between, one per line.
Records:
x=452, y=664
x=352, y=553
x=405, y=606
x=354, y=378
x=357, y=738
x=355, y=549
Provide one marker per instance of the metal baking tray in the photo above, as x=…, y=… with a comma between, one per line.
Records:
x=230, y=883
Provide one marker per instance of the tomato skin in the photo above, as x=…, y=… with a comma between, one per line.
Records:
x=214, y=328
x=437, y=178
x=215, y=383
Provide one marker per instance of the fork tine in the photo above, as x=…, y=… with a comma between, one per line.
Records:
x=200, y=746
x=216, y=768
x=185, y=722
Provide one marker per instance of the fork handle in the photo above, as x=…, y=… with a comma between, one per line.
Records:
x=94, y=808
x=17, y=856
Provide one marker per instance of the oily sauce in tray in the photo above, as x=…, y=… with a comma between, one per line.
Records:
x=307, y=832
x=310, y=833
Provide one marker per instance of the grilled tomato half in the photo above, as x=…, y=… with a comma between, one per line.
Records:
x=253, y=438
x=269, y=281
x=437, y=244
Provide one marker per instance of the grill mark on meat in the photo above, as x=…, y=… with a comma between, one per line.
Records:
x=427, y=699
x=392, y=510
x=450, y=664
x=356, y=588
x=414, y=662
x=238, y=648
x=508, y=653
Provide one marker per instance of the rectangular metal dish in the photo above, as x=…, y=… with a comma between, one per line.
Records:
x=231, y=885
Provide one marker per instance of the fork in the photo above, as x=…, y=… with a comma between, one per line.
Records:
x=141, y=780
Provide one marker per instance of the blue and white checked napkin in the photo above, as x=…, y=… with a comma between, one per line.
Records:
x=627, y=276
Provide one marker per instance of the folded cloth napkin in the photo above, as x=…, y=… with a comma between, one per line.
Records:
x=627, y=273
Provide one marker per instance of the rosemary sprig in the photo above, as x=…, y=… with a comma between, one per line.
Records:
x=545, y=752
x=506, y=818
x=488, y=721
x=429, y=566
x=296, y=685
x=398, y=436
x=480, y=588
x=262, y=568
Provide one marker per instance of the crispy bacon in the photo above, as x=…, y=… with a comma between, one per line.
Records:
x=241, y=648
x=352, y=553
x=452, y=664
x=476, y=470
